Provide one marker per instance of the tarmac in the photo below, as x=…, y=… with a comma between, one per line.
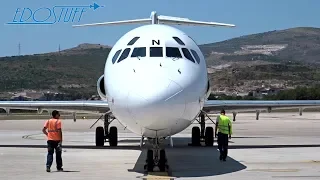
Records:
x=278, y=146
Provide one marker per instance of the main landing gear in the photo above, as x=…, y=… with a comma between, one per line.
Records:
x=203, y=133
x=104, y=133
x=156, y=156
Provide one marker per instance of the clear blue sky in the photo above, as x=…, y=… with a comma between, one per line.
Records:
x=250, y=16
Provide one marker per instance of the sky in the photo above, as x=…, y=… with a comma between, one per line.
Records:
x=249, y=16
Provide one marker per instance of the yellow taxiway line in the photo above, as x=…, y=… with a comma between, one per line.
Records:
x=157, y=175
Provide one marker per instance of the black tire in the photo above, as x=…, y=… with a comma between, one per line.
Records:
x=150, y=162
x=209, y=136
x=113, y=136
x=162, y=160
x=195, y=139
x=99, y=136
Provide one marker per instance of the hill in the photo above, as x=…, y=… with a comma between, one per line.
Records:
x=294, y=44
x=277, y=58
x=72, y=69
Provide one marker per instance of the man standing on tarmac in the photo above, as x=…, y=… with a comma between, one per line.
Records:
x=54, y=137
x=224, y=125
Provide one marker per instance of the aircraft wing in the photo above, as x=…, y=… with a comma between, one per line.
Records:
x=93, y=107
x=253, y=105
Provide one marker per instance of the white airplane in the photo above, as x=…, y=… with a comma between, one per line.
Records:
x=155, y=84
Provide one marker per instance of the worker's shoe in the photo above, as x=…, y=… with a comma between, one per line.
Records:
x=60, y=169
x=220, y=158
x=48, y=169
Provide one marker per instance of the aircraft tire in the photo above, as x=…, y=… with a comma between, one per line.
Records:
x=113, y=136
x=99, y=136
x=150, y=162
x=162, y=160
x=195, y=139
x=209, y=136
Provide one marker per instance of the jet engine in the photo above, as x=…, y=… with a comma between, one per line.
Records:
x=100, y=88
x=208, y=89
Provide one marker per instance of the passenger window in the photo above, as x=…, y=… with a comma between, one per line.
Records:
x=195, y=55
x=133, y=41
x=179, y=41
x=187, y=54
x=173, y=52
x=124, y=54
x=115, y=57
x=156, y=52
x=139, y=52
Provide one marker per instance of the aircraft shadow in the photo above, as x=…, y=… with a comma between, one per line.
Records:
x=193, y=162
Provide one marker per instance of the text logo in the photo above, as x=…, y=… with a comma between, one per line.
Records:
x=55, y=14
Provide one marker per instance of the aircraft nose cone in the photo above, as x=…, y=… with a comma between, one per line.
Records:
x=155, y=97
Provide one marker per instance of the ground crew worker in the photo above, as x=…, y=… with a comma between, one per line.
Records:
x=224, y=125
x=54, y=140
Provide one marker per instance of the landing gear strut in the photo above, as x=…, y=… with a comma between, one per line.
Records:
x=104, y=133
x=203, y=133
x=156, y=157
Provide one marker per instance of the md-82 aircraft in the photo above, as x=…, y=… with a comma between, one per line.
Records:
x=155, y=84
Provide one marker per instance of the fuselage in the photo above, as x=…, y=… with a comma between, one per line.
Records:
x=156, y=80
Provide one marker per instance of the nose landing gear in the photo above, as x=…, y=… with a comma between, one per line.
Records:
x=156, y=157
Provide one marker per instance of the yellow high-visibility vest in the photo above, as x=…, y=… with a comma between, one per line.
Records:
x=223, y=125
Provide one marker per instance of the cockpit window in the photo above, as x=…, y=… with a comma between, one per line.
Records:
x=139, y=52
x=179, y=41
x=173, y=52
x=115, y=56
x=187, y=54
x=192, y=39
x=124, y=54
x=133, y=41
x=156, y=52
x=195, y=55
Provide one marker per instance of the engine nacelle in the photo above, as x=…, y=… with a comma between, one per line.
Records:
x=100, y=88
x=208, y=90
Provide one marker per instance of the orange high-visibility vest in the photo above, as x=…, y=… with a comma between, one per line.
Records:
x=54, y=127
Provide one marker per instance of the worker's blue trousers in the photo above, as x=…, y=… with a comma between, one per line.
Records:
x=223, y=145
x=54, y=145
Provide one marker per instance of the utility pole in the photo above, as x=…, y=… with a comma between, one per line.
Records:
x=59, y=49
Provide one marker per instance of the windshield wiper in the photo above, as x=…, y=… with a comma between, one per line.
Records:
x=174, y=58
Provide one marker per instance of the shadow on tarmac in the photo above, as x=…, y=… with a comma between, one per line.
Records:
x=63, y=171
x=193, y=162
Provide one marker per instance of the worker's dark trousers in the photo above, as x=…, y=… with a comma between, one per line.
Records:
x=54, y=145
x=223, y=141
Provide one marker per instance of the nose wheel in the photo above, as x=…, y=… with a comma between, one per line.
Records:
x=104, y=133
x=156, y=158
x=202, y=133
